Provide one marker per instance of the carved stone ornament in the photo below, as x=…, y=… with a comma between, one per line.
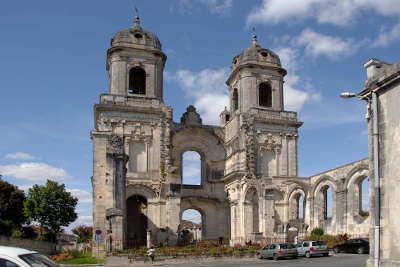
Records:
x=115, y=145
x=250, y=157
x=103, y=123
x=271, y=144
x=191, y=117
x=157, y=187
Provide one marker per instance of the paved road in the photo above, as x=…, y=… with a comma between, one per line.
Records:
x=339, y=260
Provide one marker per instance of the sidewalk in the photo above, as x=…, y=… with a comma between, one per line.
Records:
x=124, y=261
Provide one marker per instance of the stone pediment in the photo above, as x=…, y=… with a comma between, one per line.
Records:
x=191, y=117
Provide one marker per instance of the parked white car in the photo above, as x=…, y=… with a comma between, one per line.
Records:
x=19, y=257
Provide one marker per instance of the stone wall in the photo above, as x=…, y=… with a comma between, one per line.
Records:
x=35, y=245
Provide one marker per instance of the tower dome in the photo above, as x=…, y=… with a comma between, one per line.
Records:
x=136, y=37
x=135, y=63
x=255, y=54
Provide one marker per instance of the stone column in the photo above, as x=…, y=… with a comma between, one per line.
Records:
x=117, y=214
x=284, y=156
x=233, y=206
x=292, y=155
x=173, y=220
x=269, y=211
x=148, y=239
x=118, y=77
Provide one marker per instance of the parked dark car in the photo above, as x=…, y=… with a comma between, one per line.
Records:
x=359, y=245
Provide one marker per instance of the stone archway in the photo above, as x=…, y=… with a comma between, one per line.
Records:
x=137, y=221
x=322, y=218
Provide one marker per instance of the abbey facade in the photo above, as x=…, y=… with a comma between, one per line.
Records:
x=249, y=190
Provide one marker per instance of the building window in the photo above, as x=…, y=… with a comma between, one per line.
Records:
x=191, y=168
x=235, y=99
x=265, y=95
x=137, y=81
x=328, y=202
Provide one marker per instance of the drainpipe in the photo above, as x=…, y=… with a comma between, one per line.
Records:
x=375, y=136
x=377, y=195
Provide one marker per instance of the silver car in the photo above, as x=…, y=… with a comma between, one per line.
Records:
x=310, y=247
x=277, y=251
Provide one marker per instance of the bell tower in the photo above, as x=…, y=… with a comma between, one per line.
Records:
x=256, y=80
x=267, y=133
x=131, y=142
x=135, y=64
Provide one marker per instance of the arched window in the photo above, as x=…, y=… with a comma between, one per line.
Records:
x=191, y=168
x=296, y=206
x=191, y=226
x=137, y=81
x=235, y=99
x=328, y=202
x=265, y=95
x=364, y=197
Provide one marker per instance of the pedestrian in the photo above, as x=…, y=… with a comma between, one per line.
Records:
x=151, y=253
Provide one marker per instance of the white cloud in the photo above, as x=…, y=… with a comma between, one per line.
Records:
x=207, y=89
x=34, y=171
x=191, y=156
x=334, y=12
x=20, y=156
x=24, y=187
x=274, y=11
x=219, y=7
x=190, y=171
x=82, y=220
x=294, y=98
x=82, y=195
x=387, y=37
x=316, y=44
x=191, y=215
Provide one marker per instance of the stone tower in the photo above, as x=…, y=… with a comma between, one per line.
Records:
x=130, y=141
x=262, y=141
x=256, y=96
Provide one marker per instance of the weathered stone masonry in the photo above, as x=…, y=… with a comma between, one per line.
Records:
x=250, y=189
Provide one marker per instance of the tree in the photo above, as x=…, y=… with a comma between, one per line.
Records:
x=11, y=207
x=51, y=206
x=84, y=233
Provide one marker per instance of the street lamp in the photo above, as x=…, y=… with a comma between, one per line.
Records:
x=372, y=112
x=347, y=95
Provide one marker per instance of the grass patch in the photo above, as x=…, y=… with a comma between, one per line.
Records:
x=73, y=257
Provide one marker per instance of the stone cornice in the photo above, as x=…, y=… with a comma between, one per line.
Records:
x=251, y=64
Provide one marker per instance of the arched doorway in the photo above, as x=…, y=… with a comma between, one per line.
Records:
x=191, y=226
x=136, y=211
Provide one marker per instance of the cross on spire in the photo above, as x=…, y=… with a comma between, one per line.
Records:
x=254, y=36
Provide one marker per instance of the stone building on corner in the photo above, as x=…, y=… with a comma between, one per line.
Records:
x=249, y=190
x=383, y=81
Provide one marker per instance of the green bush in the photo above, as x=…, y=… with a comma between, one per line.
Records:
x=317, y=232
x=364, y=213
x=74, y=253
x=16, y=233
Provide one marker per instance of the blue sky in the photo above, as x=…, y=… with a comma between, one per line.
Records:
x=52, y=71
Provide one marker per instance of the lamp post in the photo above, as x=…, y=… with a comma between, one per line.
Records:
x=372, y=112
